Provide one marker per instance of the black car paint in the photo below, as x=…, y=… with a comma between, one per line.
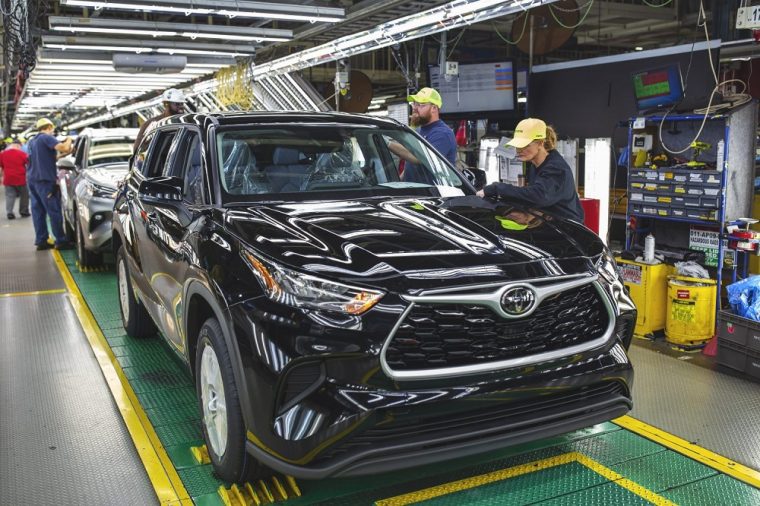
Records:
x=431, y=242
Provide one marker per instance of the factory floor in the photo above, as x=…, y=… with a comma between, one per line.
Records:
x=90, y=416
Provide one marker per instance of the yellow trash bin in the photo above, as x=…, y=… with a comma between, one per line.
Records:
x=690, y=313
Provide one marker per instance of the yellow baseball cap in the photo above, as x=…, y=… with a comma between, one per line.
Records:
x=42, y=123
x=527, y=131
x=426, y=96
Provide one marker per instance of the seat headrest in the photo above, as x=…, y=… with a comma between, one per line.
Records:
x=286, y=156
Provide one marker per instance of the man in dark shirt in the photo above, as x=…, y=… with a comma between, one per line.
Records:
x=43, y=185
x=426, y=106
x=174, y=103
x=13, y=169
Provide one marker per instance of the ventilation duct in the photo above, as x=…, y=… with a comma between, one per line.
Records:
x=148, y=63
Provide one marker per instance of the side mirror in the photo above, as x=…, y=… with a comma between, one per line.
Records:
x=66, y=163
x=165, y=193
x=161, y=191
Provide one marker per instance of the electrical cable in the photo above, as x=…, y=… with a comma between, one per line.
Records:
x=456, y=42
x=574, y=9
x=522, y=31
x=666, y=2
x=580, y=22
x=740, y=98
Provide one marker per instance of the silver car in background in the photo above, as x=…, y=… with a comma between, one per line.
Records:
x=90, y=177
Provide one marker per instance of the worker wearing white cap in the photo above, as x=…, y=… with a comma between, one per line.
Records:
x=174, y=103
x=551, y=186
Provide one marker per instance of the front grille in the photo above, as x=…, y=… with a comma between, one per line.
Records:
x=434, y=336
x=504, y=417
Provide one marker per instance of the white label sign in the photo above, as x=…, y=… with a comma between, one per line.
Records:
x=748, y=17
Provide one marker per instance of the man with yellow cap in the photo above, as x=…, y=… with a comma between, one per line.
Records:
x=551, y=186
x=41, y=177
x=426, y=105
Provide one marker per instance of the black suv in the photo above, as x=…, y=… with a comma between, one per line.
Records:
x=347, y=312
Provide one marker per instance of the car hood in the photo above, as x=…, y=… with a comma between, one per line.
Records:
x=429, y=240
x=107, y=175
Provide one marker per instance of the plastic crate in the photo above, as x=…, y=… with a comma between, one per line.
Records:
x=739, y=330
x=739, y=358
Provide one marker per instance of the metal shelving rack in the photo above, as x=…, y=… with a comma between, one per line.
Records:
x=667, y=211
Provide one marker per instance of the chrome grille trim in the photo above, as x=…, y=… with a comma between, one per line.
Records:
x=490, y=300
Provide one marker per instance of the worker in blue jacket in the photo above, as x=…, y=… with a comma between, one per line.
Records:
x=551, y=186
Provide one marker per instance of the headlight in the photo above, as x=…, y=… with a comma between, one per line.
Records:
x=103, y=192
x=607, y=267
x=303, y=290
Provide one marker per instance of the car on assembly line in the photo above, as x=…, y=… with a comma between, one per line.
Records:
x=90, y=175
x=340, y=320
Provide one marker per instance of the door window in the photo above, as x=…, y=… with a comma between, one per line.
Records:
x=162, y=154
x=187, y=166
x=142, y=152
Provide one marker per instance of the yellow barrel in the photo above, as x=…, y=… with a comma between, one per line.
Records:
x=690, y=315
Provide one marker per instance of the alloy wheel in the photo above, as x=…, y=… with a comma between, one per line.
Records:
x=213, y=401
x=123, y=290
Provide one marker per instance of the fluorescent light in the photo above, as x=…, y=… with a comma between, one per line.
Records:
x=229, y=8
x=166, y=50
x=135, y=7
x=64, y=47
x=283, y=17
x=226, y=36
x=125, y=31
x=166, y=29
x=638, y=48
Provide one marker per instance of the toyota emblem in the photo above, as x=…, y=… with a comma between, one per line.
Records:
x=518, y=300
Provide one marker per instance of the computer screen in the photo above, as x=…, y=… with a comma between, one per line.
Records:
x=478, y=87
x=658, y=87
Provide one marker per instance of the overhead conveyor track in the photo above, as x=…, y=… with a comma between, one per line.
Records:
x=604, y=464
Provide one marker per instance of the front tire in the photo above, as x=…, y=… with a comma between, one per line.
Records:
x=134, y=316
x=221, y=416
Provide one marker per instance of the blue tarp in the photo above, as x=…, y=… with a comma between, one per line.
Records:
x=744, y=297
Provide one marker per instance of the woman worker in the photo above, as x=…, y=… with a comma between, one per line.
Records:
x=551, y=187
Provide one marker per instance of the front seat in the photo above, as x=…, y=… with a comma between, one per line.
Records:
x=288, y=171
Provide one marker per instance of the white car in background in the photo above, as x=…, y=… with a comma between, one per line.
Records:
x=91, y=174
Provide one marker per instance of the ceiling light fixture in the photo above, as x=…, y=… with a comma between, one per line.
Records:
x=229, y=8
x=80, y=43
x=165, y=29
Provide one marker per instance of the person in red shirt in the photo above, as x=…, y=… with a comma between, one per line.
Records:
x=13, y=163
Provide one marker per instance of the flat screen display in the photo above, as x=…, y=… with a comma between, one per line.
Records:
x=658, y=87
x=478, y=87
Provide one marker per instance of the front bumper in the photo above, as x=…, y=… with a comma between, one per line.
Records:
x=95, y=214
x=317, y=402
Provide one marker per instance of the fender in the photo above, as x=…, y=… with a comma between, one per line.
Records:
x=222, y=314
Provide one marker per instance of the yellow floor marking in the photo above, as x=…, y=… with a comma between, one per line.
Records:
x=29, y=294
x=162, y=474
x=513, y=472
x=691, y=450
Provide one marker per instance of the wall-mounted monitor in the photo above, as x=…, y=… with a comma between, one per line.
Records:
x=660, y=87
x=479, y=87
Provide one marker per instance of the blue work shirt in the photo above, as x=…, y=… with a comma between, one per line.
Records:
x=42, y=156
x=442, y=138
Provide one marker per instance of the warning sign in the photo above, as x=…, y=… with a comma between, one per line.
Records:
x=683, y=311
x=707, y=241
x=630, y=273
x=683, y=294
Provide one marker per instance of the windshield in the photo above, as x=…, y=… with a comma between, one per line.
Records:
x=108, y=151
x=330, y=157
